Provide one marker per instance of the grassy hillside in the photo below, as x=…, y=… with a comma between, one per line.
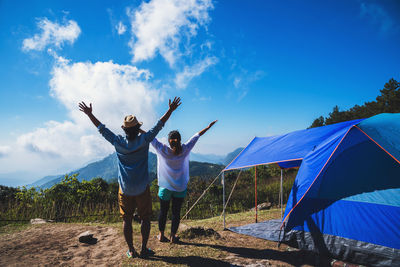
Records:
x=73, y=200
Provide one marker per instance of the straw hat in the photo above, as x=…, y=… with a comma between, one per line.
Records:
x=130, y=121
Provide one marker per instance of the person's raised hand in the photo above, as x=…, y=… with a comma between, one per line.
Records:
x=175, y=103
x=85, y=109
x=212, y=123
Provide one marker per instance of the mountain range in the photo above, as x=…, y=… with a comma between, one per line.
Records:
x=107, y=168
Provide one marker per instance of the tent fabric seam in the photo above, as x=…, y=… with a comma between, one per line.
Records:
x=240, y=153
x=344, y=136
x=378, y=144
x=260, y=164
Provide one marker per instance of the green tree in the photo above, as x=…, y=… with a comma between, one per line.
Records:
x=320, y=121
x=388, y=101
x=7, y=193
x=27, y=195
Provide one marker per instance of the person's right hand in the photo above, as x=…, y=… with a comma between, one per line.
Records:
x=175, y=103
x=87, y=110
x=212, y=123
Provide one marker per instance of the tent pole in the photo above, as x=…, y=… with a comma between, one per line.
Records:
x=281, y=194
x=223, y=196
x=255, y=189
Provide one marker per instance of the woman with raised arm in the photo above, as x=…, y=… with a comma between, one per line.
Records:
x=173, y=177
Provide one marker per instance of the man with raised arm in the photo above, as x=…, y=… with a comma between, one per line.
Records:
x=132, y=152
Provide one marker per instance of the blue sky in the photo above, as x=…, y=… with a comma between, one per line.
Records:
x=260, y=67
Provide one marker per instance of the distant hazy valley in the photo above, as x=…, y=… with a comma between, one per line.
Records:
x=107, y=168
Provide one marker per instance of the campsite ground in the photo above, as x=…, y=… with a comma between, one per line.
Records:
x=57, y=244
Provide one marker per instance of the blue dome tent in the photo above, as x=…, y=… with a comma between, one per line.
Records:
x=345, y=201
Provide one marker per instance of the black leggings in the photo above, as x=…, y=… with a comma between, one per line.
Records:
x=176, y=214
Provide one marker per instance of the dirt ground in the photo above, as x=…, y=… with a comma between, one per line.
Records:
x=56, y=244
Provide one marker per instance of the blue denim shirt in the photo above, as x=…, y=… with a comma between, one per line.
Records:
x=133, y=174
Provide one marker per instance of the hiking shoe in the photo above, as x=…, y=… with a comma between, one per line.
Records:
x=131, y=255
x=147, y=253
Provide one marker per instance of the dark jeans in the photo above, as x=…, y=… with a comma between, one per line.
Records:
x=176, y=214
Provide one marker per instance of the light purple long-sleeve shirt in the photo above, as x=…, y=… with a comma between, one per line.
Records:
x=173, y=170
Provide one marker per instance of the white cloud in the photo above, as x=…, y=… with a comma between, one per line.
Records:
x=121, y=28
x=203, y=98
x=378, y=16
x=52, y=34
x=236, y=82
x=244, y=79
x=50, y=140
x=198, y=97
x=183, y=78
x=4, y=151
x=114, y=91
x=159, y=26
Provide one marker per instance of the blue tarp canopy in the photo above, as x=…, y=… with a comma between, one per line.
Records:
x=346, y=195
x=287, y=150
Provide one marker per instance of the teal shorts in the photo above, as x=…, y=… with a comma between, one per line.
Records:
x=165, y=194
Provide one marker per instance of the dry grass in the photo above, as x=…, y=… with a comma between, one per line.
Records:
x=12, y=228
x=229, y=250
x=57, y=244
